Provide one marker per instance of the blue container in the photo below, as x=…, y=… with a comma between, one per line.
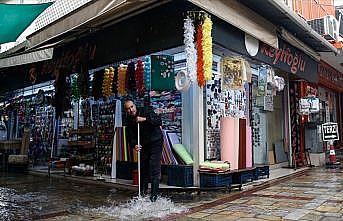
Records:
x=215, y=179
x=180, y=175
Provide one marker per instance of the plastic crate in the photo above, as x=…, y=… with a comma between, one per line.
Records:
x=180, y=175
x=215, y=179
x=261, y=171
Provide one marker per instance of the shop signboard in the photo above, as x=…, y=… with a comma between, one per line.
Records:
x=162, y=72
x=289, y=59
x=330, y=77
x=330, y=131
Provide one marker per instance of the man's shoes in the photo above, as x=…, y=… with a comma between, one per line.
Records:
x=154, y=190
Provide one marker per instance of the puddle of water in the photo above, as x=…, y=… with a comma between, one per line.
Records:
x=137, y=209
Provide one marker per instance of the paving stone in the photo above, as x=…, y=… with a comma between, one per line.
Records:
x=249, y=219
x=198, y=215
x=311, y=217
x=266, y=217
x=331, y=219
x=243, y=214
x=220, y=207
x=216, y=217
x=227, y=213
x=297, y=214
x=327, y=209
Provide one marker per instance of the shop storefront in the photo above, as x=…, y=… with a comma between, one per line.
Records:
x=230, y=112
x=330, y=93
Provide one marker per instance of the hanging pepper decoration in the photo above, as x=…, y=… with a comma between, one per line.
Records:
x=122, y=80
x=207, y=48
x=190, y=50
x=200, y=62
x=140, y=78
x=74, y=88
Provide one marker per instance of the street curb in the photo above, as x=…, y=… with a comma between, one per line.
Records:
x=237, y=195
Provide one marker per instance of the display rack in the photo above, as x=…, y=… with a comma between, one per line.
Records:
x=103, y=113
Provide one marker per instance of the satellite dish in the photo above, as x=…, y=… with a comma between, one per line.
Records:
x=251, y=44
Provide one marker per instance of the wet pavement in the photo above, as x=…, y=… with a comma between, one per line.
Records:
x=316, y=194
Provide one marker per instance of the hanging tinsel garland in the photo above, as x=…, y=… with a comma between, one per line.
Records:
x=190, y=50
x=122, y=80
x=75, y=92
x=207, y=48
x=147, y=73
x=200, y=67
x=140, y=78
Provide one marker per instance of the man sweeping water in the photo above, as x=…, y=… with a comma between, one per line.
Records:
x=150, y=144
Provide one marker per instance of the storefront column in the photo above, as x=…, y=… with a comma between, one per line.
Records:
x=288, y=122
x=193, y=126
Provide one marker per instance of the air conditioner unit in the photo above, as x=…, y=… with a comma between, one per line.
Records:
x=326, y=26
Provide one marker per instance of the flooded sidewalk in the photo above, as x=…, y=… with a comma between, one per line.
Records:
x=32, y=197
x=316, y=195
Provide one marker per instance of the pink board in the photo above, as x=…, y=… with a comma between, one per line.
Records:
x=229, y=141
x=248, y=147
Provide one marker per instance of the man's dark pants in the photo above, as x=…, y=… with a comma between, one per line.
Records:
x=150, y=164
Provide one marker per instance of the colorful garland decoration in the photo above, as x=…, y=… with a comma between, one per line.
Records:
x=115, y=81
x=190, y=50
x=147, y=72
x=122, y=80
x=130, y=76
x=140, y=78
x=200, y=67
x=107, y=82
x=98, y=78
x=75, y=92
x=207, y=48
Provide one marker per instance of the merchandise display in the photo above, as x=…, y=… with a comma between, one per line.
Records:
x=105, y=131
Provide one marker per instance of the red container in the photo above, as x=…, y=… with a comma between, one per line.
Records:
x=135, y=177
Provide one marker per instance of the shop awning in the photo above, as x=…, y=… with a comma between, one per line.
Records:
x=27, y=58
x=243, y=18
x=15, y=18
x=93, y=16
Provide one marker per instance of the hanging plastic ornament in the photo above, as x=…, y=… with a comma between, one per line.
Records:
x=182, y=81
x=190, y=50
x=122, y=80
x=147, y=73
x=200, y=62
x=207, y=48
x=139, y=75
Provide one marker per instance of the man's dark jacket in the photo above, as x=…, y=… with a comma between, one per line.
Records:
x=150, y=130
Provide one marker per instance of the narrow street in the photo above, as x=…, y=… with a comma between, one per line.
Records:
x=316, y=195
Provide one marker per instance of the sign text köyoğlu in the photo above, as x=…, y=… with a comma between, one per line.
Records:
x=289, y=59
x=330, y=131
